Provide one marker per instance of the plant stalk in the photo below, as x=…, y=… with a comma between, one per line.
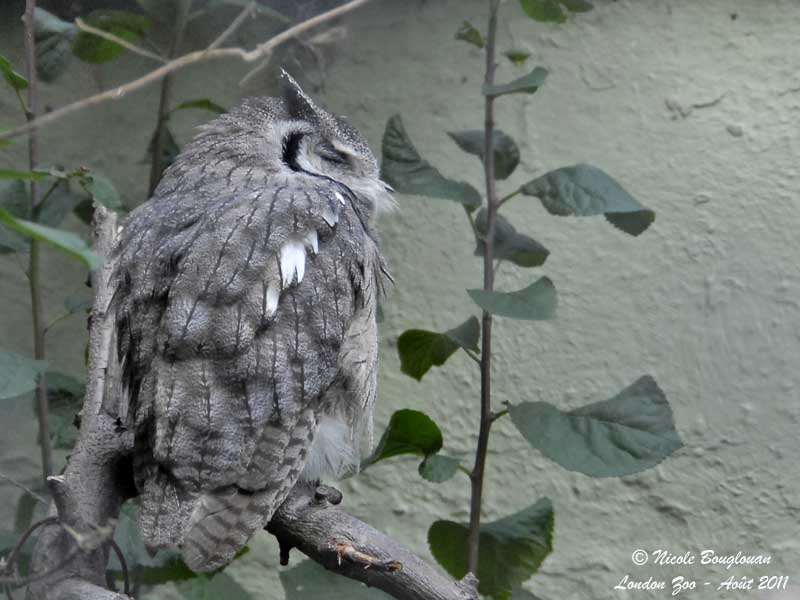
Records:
x=476, y=477
x=165, y=98
x=34, y=264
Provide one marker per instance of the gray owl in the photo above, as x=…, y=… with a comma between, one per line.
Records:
x=247, y=289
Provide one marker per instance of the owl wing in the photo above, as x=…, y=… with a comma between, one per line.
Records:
x=231, y=312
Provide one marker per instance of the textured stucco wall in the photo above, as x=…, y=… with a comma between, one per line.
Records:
x=693, y=106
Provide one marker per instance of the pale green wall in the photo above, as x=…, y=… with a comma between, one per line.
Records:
x=696, y=113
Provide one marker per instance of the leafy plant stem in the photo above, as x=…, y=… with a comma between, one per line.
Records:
x=159, y=137
x=476, y=476
x=34, y=279
x=508, y=197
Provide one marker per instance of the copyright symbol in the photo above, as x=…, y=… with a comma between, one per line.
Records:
x=640, y=557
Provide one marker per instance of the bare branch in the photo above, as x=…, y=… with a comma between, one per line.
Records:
x=347, y=546
x=182, y=62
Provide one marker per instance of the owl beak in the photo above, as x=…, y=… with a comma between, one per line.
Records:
x=387, y=187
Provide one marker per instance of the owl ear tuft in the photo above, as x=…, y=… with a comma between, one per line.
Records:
x=298, y=104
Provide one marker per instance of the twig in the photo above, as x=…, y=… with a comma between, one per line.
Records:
x=84, y=26
x=12, y=556
x=476, y=477
x=122, y=563
x=34, y=258
x=234, y=26
x=24, y=488
x=179, y=63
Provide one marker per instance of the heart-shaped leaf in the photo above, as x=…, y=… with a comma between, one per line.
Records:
x=405, y=170
x=535, y=302
x=408, y=432
x=511, y=549
x=583, y=190
x=438, y=468
x=18, y=374
x=527, y=84
x=468, y=33
x=509, y=244
x=420, y=350
x=506, y=151
x=631, y=432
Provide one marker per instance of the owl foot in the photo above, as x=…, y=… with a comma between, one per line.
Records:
x=325, y=494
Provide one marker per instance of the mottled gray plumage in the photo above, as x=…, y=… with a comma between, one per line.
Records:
x=245, y=309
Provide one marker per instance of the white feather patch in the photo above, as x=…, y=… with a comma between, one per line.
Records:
x=333, y=454
x=293, y=261
x=331, y=218
x=273, y=295
x=340, y=198
x=312, y=241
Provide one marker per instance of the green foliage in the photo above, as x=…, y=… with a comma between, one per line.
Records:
x=509, y=245
x=65, y=398
x=201, y=104
x=419, y=349
x=535, y=303
x=14, y=79
x=18, y=374
x=23, y=175
x=468, y=33
x=95, y=49
x=584, y=190
x=511, y=549
x=550, y=11
x=65, y=241
x=438, y=468
x=527, y=84
x=405, y=170
x=517, y=57
x=14, y=198
x=506, y=152
x=408, y=432
x=631, y=432
x=307, y=580
x=54, y=39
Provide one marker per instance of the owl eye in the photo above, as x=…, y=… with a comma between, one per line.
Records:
x=331, y=154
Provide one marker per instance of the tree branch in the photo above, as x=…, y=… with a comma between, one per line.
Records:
x=347, y=546
x=182, y=62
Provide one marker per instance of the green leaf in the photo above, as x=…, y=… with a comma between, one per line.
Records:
x=420, y=350
x=408, y=432
x=438, y=468
x=23, y=515
x=535, y=302
x=15, y=199
x=18, y=374
x=14, y=79
x=545, y=11
x=58, y=204
x=631, y=432
x=511, y=549
x=510, y=245
x=54, y=39
x=506, y=152
x=201, y=104
x=169, y=149
x=584, y=191
x=214, y=587
x=65, y=397
x=66, y=241
x=102, y=190
x=94, y=49
x=517, y=57
x=23, y=175
x=578, y=6
x=527, y=84
x=468, y=33
x=405, y=170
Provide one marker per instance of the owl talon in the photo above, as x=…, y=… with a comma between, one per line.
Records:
x=327, y=494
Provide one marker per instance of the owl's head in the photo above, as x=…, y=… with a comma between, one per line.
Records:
x=318, y=143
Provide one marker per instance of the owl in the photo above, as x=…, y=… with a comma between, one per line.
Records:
x=245, y=305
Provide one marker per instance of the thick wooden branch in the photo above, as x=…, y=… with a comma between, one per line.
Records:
x=346, y=545
x=70, y=557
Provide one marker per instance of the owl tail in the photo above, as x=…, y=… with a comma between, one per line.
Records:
x=222, y=523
